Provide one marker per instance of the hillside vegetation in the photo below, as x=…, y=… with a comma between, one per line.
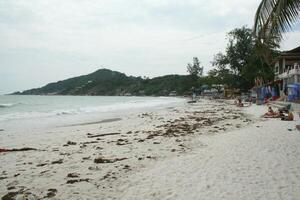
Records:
x=108, y=82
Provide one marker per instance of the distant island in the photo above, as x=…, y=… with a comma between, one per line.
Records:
x=112, y=83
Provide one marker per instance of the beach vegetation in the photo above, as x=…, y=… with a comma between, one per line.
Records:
x=195, y=69
x=241, y=63
x=107, y=82
x=272, y=19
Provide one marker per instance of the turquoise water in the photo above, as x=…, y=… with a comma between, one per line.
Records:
x=18, y=109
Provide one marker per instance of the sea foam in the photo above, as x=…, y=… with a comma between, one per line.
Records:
x=113, y=107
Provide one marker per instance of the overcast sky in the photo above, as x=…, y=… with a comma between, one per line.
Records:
x=42, y=41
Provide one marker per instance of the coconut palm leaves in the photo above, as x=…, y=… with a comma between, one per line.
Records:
x=274, y=17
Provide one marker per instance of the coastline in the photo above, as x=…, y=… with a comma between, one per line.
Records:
x=135, y=157
x=33, y=112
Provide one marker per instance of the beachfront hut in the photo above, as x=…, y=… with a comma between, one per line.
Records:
x=287, y=67
x=287, y=70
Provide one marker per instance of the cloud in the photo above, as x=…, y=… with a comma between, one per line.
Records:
x=291, y=40
x=59, y=39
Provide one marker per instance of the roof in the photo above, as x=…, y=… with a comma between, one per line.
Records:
x=296, y=50
x=292, y=54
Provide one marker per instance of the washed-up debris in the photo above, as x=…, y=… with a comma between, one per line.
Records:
x=51, y=193
x=101, y=135
x=107, y=160
x=86, y=158
x=21, y=149
x=126, y=167
x=71, y=143
x=41, y=164
x=72, y=181
x=73, y=175
x=10, y=196
x=122, y=141
x=19, y=195
x=11, y=188
x=60, y=161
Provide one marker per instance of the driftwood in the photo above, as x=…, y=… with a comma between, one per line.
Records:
x=91, y=142
x=21, y=149
x=78, y=180
x=73, y=175
x=60, y=161
x=101, y=135
x=107, y=160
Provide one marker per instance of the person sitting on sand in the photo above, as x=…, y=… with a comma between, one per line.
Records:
x=270, y=112
x=290, y=117
x=280, y=113
x=239, y=103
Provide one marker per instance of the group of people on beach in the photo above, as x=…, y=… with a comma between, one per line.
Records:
x=281, y=113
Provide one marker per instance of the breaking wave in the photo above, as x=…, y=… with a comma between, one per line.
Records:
x=119, y=106
x=7, y=105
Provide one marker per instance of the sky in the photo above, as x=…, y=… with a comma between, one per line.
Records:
x=44, y=41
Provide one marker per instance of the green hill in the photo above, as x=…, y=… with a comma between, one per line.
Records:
x=107, y=82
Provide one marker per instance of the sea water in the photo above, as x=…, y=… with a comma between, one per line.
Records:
x=20, y=112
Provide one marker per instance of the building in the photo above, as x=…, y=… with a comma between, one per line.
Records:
x=287, y=67
x=287, y=74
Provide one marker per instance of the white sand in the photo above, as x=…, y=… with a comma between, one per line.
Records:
x=261, y=161
x=258, y=161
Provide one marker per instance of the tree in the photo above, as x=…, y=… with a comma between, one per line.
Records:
x=238, y=51
x=240, y=64
x=272, y=19
x=239, y=48
x=195, y=69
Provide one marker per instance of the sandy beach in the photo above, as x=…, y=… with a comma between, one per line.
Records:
x=207, y=150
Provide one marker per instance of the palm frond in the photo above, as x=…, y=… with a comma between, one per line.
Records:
x=274, y=17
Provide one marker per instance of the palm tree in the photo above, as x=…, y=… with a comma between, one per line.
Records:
x=274, y=17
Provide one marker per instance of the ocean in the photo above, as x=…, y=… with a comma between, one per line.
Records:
x=19, y=112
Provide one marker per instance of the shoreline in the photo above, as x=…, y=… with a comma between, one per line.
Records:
x=32, y=117
x=109, y=160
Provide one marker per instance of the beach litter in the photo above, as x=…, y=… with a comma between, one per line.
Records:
x=101, y=135
x=107, y=160
x=2, y=150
